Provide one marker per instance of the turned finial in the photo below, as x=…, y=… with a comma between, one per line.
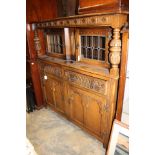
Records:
x=37, y=42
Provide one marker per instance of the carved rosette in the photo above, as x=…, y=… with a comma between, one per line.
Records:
x=95, y=84
x=37, y=42
x=115, y=49
x=106, y=107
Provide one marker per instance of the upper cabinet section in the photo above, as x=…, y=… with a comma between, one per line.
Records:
x=104, y=6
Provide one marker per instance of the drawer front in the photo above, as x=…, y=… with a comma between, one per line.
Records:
x=51, y=69
x=94, y=84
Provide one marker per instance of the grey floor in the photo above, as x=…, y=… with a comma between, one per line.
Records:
x=51, y=134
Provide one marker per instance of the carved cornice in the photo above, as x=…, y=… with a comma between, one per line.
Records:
x=114, y=20
x=88, y=82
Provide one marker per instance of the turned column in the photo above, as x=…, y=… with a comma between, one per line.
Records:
x=37, y=42
x=115, y=50
x=114, y=57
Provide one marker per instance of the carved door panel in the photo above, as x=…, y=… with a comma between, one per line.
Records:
x=76, y=105
x=58, y=95
x=48, y=91
x=92, y=115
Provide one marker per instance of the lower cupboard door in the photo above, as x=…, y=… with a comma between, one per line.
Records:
x=58, y=95
x=48, y=91
x=93, y=115
x=76, y=106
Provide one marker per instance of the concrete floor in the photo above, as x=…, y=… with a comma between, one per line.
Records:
x=51, y=134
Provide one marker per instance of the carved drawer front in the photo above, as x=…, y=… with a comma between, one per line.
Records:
x=54, y=70
x=95, y=84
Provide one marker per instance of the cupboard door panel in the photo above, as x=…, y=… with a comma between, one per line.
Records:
x=48, y=88
x=92, y=116
x=76, y=106
x=58, y=95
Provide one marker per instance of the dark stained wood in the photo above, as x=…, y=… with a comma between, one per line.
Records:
x=104, y=6
x=123, y=67
x=30, y=40
x=36, y=84
x=67, y=7
x=40, y=10
x=33, y=67
x=28, y=72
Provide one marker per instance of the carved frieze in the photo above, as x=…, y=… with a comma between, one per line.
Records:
x=80, y=21
x=85, y=81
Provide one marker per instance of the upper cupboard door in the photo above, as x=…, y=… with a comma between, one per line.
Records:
x=92, y=45
x=55, y=42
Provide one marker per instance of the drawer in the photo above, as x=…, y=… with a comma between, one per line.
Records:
x=51, y=69
x=88, y=82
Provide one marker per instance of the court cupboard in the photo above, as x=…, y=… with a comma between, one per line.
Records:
x=78, y=63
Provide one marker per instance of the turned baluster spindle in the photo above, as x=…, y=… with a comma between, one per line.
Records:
x=115, y=50
x=37, y=43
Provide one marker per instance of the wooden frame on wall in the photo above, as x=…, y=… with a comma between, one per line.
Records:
x=119, y=139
